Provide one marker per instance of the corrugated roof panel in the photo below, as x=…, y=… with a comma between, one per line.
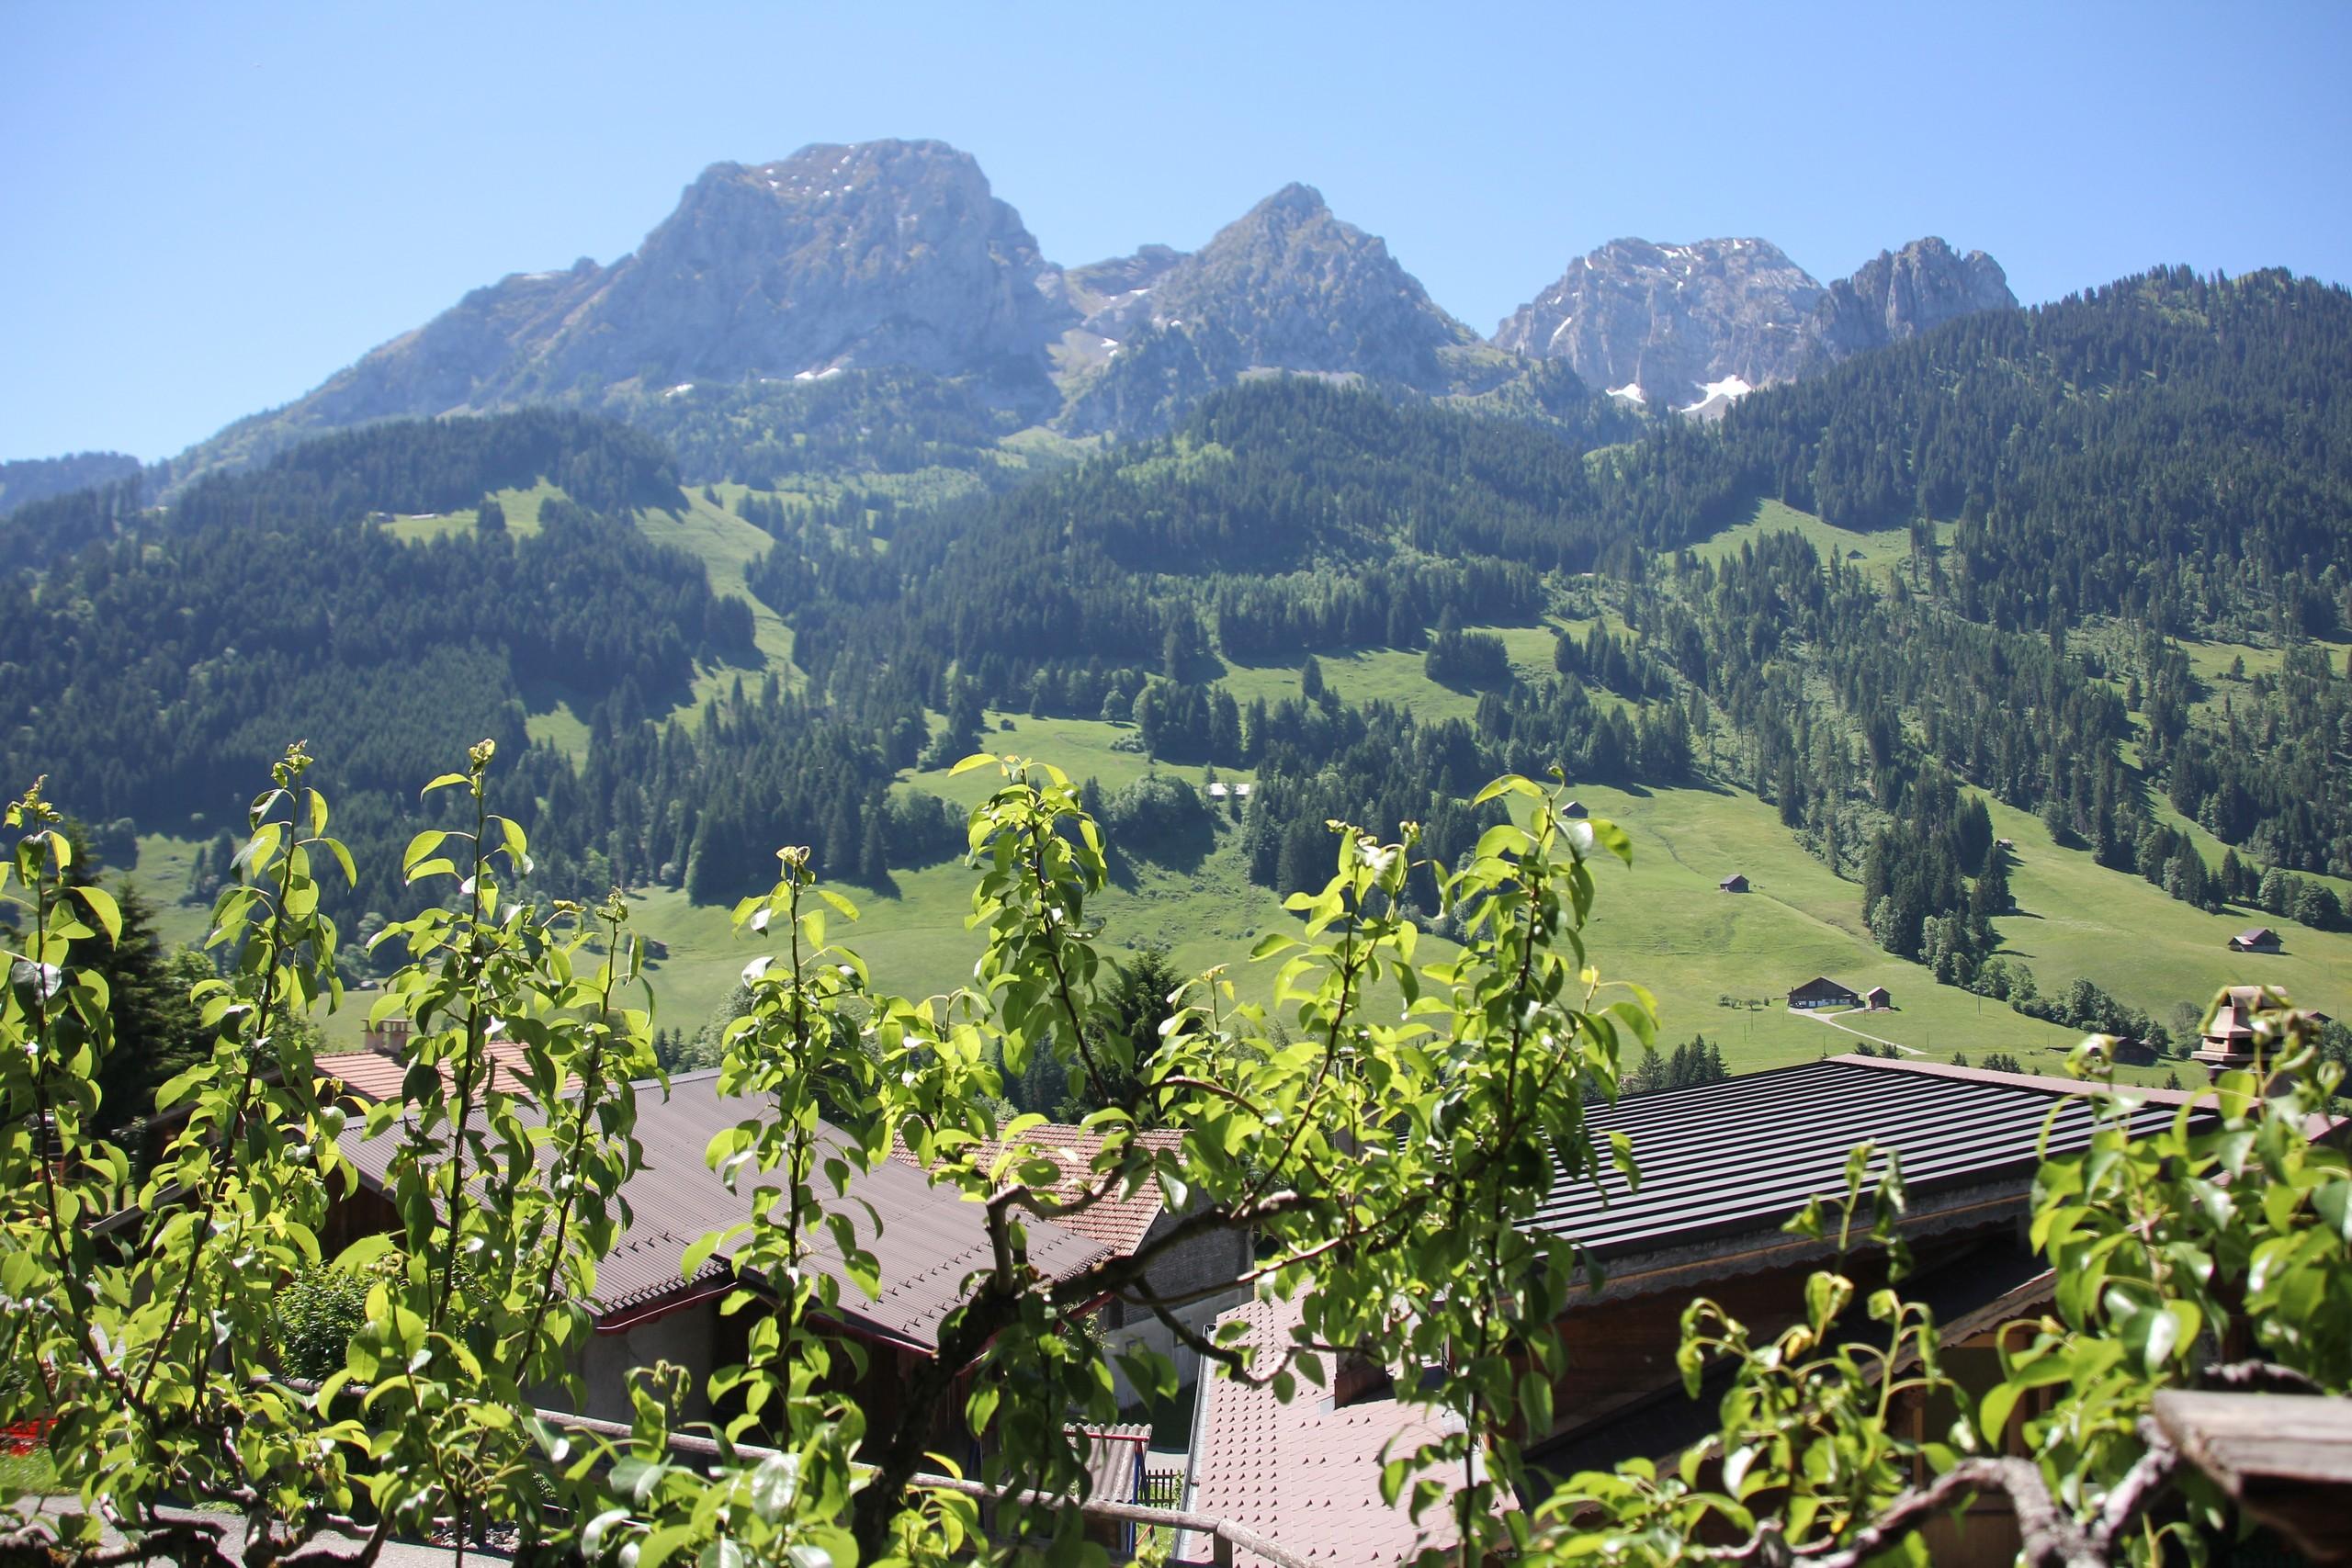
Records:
x=1745, y=1153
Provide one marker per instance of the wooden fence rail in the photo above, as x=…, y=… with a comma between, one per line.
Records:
x=1224, y=1537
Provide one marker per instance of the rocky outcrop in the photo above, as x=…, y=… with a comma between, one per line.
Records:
x=1693, y=327
x=1673, y=326
x=1104, y=290
x=1286, y=286
x=1904, y=293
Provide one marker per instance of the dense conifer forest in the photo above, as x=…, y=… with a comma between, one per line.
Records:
x=2083, y=486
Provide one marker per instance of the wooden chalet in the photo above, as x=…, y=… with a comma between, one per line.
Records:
x=2255, y=939
x=1822, y=992
x=1734, y=883
x=1878, y=998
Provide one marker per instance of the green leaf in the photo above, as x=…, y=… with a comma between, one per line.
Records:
x=1509, y=784
x=977, y=760
x=1611, y=838
x=103, y=910
x=1621, y=1154
x=442, y=782
x=2333, y=1203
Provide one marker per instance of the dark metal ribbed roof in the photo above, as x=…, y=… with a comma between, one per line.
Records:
x=1743, y=1155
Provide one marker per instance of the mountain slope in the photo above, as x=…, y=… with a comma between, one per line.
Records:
x=1666, y=323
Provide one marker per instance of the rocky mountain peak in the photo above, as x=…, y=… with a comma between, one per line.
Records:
x=1295, y=201
x=1288, y=286
x=897, y=255
x=1903, y=293
x=881, y=253
x=1695, y=326
x=1672, y=323
x=839, y=256
x=1290, y=260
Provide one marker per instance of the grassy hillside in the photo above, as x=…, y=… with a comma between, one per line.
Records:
x=1882, y=549
x=1395, y=675
x=723, y=542
x=1662, y=923
x=2077, y=918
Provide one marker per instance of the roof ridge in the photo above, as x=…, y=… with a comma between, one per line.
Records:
x=2044, y=1082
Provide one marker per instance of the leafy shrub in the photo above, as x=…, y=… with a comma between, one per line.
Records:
x=316, y=1314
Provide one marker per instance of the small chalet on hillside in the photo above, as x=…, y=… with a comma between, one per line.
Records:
x=1573, y=808
x=1822, y=992
x=2255, y=939
x=1734, y=883
x=1878, y=998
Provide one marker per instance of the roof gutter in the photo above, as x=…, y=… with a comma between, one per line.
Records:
x=637, y=1316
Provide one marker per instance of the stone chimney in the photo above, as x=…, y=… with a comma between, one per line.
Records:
x=389, y=1038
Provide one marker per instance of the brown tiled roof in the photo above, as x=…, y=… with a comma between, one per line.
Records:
x=371, y=1075
x=1306, y=1475
x=930, y=1240
x=1118, y=1223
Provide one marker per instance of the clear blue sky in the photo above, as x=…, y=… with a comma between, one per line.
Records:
x=208, y=209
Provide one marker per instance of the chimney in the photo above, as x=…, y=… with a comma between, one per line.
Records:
x=389, y=1038
x=2230, y=1045
x=1358, y=1378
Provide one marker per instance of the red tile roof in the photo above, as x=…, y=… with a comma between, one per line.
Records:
x=1118, y=1223
x=371, y=1075
x=1306, y=1475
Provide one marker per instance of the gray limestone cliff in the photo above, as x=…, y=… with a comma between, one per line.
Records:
x=1694, y=326
x=1904, y=293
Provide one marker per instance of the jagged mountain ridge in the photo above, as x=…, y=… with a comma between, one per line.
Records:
x=882, y=254
x=1696, y=325
x=1288, y=286
x=897, y=254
